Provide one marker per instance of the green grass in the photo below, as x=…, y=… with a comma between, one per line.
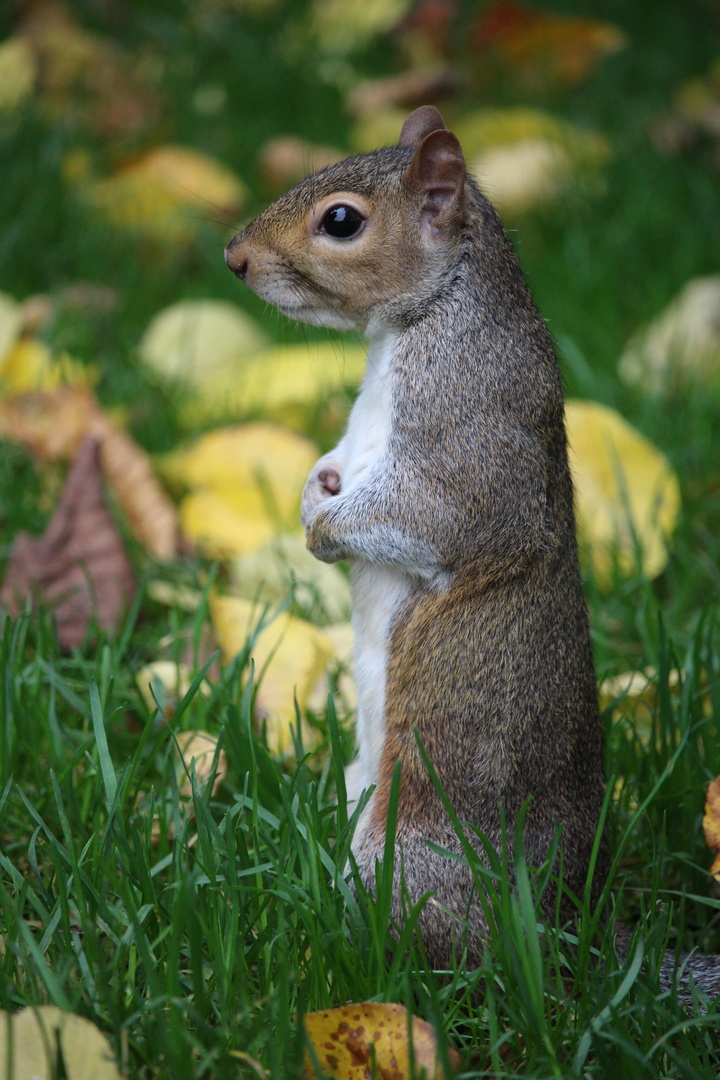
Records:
x=195, y=934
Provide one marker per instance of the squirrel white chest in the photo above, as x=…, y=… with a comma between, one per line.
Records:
x=377, y=591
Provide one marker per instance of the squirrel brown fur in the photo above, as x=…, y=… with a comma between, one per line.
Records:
x=451, y=495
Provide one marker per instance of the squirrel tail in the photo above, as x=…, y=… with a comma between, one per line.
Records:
x=683, y=971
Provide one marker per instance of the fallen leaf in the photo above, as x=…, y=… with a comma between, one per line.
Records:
x=627, y=494
x=11, y=321
x=339, y=28
x=166, y=682
x=79, y=564
x=245, y=481
x=523, y=157
x=30, y=365
x=165, y=194
x=526, y=174
x=197, y=341
x=711, y=824
x=542, y=48
x=285, y=160
x=275, y=379
x=85, y=79
x=202, y=748
x=637, y=694
x=53, y=424
x=680, y=346
x=37, y=1034
x=356, y=1041
x=18, y=72
x=429, y=85
x=290, y=656
x=268, y=574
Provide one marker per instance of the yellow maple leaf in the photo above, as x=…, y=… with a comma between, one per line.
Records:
x=290, y=656
x=627, y=494
x=347, y=1041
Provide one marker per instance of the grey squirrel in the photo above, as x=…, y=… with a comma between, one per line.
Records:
x=451, y=495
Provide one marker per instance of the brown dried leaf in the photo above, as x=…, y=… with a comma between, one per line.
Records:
x=428, y=85
x=342, y=1040
x=711, y=824
x=53, y=424
x=79, y=564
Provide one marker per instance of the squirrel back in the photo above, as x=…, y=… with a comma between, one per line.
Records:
x=451, y=495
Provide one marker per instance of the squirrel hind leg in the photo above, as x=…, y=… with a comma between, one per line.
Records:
x=452, y=923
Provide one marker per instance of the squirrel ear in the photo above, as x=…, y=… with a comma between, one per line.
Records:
x=419, y=124
x=438, y=172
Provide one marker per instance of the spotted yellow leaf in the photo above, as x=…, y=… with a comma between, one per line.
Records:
x=372, y=1039
x=627, y=494
x=290, y=656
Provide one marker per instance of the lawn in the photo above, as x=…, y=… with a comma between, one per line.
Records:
x=194, y=912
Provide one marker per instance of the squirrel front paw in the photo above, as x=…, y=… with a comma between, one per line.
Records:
x=322, y=484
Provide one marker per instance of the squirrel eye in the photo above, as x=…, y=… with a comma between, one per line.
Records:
x=342, y=222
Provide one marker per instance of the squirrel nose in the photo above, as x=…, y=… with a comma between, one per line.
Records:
x=236, y=259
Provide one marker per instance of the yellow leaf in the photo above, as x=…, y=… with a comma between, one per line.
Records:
x=86, y=1053
x=197, y=340
x=523, y=157
x=342, y=1039
x=226, y=523
x=200, y=747
x=268, y=574
x=711, y=824
x=30, y=365
x=627, y=494
x=682, y=344
x=339, y=27
x=170, y=682
x=246, y=485
x=290, y=656
x=11, y=320
x=294, y=374
x=18, y=72
x=166, y=193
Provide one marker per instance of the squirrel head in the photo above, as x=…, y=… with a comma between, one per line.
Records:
x=360, y=242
